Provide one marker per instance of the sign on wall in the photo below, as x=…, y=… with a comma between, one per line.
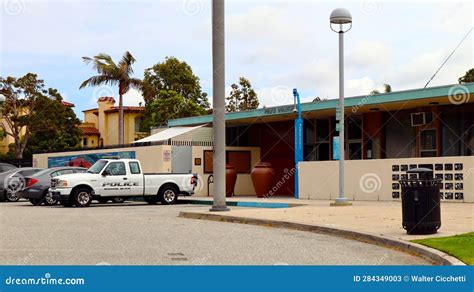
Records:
x=335, y=148
x=86, y=160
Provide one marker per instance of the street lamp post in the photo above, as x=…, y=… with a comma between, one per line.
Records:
x=218, y=100
x=341, y=18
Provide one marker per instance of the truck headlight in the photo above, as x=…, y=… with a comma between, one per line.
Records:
x=61, y=184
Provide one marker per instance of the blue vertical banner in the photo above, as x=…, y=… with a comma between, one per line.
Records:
x=335, y=148
x=298, y=139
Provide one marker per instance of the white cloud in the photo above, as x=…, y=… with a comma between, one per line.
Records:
x=133, y=98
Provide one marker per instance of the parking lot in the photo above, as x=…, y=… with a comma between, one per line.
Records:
x=137, y=234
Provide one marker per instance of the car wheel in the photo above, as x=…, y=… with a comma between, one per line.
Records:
x=168, y=195
x=35, y=202
x=49, y=200
x=82, y=197
x=118, y=200
x=12, y=197
x=152, y=200
x=103, y=200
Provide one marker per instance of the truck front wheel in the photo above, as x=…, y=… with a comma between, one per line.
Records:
x=82, y=197
x=168, y=195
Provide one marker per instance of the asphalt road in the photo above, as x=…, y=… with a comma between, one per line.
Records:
x=140, y=234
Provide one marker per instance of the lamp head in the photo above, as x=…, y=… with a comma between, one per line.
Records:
x=340, y=16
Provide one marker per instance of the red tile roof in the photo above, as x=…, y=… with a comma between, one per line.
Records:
x=106, y=98
x=89, y=129
x=68, y=104
x=126, y=109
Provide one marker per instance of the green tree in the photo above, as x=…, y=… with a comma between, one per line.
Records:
x=468, y=77
x=242, y=97
x=35, y=116
x=21, y=95
x=177, y=76
x=167, y=105
x=387, y=88
x=56, y=126
x=110, y=73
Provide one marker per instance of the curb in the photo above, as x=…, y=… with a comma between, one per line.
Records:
x=432, y=255
x=249, y=204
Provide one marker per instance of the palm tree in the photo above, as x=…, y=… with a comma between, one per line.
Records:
x=113, y=74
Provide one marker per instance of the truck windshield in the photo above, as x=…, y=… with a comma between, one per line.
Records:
x=97, y=167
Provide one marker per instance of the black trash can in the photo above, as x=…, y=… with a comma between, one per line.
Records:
x=421, y=202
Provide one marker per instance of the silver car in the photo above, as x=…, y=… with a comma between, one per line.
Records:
x=37, y=185
x=12, y=181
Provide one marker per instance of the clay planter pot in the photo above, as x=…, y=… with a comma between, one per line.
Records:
x=230, y=180
x=262, y=178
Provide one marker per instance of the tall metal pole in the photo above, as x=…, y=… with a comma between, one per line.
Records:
x=341, y=198
x=341, y=16
x=218, y=100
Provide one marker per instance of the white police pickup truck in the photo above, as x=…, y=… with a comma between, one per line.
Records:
x=120, y=179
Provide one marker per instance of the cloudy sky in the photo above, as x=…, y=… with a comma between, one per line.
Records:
x=277, y=45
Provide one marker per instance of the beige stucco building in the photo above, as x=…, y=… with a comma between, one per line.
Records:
x=100, y=126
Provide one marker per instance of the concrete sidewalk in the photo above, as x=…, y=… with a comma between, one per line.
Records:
x=379, y=218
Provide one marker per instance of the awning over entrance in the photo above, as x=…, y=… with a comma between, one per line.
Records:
x=167, y=134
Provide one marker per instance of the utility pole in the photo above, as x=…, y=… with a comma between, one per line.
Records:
x=218, y=101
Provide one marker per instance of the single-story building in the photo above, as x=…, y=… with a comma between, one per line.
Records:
x=385, y=135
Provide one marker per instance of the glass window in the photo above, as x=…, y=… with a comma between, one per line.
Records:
x=400, y=136
x=354, y=127
x=84, y=141
x=138, y=123
x=134, y=168
x=355, y=151
x=6, y=167
x=98, y=166
x=457, y=130
x=61, y=172
x=428, y=145
x=28, y=172
x=322, y=130
x=115, y=168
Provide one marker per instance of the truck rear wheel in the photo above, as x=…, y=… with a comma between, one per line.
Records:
x=168, y=195
x=82, y=197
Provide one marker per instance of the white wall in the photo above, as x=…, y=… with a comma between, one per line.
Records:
x=372, y=179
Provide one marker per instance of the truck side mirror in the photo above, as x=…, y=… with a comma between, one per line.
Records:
x=105, y=173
